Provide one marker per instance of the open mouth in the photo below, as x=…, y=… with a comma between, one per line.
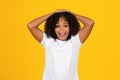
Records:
x=62, y=34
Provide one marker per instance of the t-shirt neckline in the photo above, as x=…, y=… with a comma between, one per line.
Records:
x=60, y=42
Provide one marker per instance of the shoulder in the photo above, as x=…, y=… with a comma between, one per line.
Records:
x=76, y=40
x=46, y=40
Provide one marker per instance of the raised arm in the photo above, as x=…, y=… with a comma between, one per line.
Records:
x=86, y=29
x=33, y=27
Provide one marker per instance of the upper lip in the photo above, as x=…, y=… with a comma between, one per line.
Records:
x=62, y=33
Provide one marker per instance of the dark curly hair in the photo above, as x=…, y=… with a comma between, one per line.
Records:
x=51, y=22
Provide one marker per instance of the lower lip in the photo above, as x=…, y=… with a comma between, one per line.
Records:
x=62, y=35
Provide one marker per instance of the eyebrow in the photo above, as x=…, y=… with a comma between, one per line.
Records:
x=66, y=22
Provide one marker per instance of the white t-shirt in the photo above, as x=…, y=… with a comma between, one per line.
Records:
x=61, y=58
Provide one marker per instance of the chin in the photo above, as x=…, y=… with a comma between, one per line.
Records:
x=63, y=39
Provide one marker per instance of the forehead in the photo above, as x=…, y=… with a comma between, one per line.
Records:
x=62, y=19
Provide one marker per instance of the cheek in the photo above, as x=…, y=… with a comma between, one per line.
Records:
x=68, y=29
x=56, y=30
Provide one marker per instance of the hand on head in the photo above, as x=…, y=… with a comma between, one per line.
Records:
x=62, y=10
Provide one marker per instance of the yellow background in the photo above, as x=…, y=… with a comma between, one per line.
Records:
x=22, y=57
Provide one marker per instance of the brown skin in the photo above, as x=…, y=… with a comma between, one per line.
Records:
x=62, y=29
x=83, y=33
x=86, y=29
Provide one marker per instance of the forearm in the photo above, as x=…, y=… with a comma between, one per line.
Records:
x=36, y=22
x=85, y=20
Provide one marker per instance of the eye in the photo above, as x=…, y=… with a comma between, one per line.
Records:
x=65, y=25
x=57, y=26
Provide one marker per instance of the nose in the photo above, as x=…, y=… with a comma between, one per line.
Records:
x=61, y=28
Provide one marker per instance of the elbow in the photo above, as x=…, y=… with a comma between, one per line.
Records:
x=29, y=26
x=91, y=23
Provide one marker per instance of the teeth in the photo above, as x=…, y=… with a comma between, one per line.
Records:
x=61, y=34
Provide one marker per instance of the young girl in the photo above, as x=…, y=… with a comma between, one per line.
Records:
x=62, y=40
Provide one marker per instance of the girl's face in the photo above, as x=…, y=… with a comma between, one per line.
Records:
x=62, y=29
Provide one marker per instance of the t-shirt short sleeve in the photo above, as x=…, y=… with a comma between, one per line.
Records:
x=44, y=40
x=77, y=40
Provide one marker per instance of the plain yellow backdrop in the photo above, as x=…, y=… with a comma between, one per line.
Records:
x=22, y=57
